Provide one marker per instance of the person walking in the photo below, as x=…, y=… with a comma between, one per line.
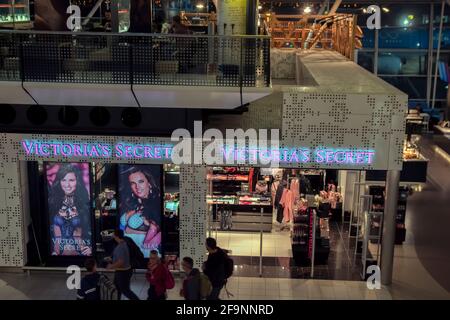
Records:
x=215, y=268
x=89, y=286
x=159, y=277
x=192, y=283
x=121, y=265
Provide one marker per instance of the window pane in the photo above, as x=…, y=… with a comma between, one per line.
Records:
x=368, y=40
x=408, y=38
x=445, y=43
x=402, y=63
x=365, y=59
x=414, y=87
x=441, y=89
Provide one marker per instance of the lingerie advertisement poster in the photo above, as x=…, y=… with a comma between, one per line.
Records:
x=69, y=210
x=140, y=205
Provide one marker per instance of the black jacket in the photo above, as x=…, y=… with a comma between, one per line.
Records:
x=191, y=285
x=89, y=287
x=215, y=268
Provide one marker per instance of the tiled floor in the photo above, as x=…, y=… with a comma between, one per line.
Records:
x=277, y=259
x=51, y=286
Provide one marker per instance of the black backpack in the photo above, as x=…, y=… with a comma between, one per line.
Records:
x=229, y=267
x=137, y=259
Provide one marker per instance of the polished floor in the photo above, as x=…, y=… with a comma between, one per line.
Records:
x=277, y=260
x=52, y=286
x=422, y=263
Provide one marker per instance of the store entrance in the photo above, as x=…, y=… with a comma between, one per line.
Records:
x=265, y=218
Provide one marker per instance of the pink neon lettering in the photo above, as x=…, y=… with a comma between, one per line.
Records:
x=64, y=152
x=370, y=156
x=27, y=146
x=128, y=153
x=360, y=157
x=157, y=152
x=264, y=155
x=276, y=155
x=43, y=148
x=227, y=154
x=148, y=152
x=319, y=156
x=342, y=157
x=77, y=150
x=285, y=155
x=329, y=156
x=167, y=153
x=119, y=150
x=105, y=151
x=294, y=157
x=306, y=156
x=55, y=149
x=349, y=157
x=137, y=154
x=94, y=151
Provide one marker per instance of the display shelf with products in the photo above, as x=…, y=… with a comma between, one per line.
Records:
x=378, y=193
x=14, y=11
x=237, y=196
x=301, y=233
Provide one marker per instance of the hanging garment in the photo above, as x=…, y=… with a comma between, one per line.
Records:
x=273, y=190
x=295, y=188
x=286, y=202
x=279, y=194
x=280, y=210
x=250, y=180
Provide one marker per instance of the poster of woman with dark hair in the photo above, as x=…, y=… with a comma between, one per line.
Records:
x=69, y=209
x=140, y=205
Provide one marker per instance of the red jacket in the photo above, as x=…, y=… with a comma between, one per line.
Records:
x=157, y=279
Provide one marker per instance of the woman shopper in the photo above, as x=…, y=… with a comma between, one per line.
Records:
x=159, y=277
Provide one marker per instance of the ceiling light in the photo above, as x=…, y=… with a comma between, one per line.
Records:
x=200, y=6
x=386, y=9
x=307, y=10
x=259, y=7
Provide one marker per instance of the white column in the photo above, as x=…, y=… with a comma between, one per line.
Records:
x=388, y=237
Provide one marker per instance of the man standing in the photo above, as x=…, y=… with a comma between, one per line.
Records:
x=214, y=268
x=121, y=265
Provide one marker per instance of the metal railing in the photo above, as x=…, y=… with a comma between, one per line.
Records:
x=139, y=59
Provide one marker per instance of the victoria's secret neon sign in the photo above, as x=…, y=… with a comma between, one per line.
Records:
x=164, y=152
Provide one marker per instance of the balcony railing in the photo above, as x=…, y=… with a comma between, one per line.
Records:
x=139, y=59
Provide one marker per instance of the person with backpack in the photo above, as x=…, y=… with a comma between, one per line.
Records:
x=218, y=268
x=192, y=284
x=122, y=266
x=159, y=277
x=89, y=286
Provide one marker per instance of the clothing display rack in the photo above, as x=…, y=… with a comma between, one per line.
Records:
x=303, y=229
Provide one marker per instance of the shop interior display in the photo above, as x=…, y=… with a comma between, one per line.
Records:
x=78, y=219
x=198, y=22
x=378, y=196
x=237, y=197
x=14, y=11
x=302, y=233
x=410, y=151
